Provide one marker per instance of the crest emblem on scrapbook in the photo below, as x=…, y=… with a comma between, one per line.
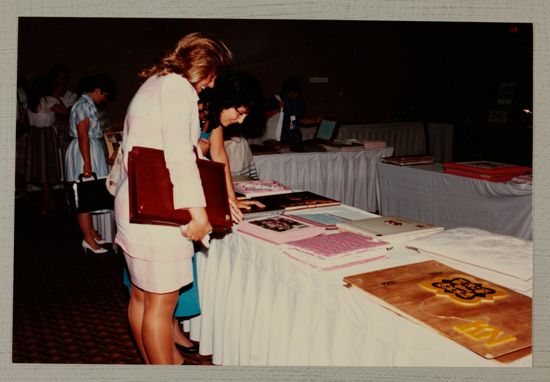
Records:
x=462, y=290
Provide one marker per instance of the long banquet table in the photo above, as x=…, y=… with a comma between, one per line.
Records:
x=346, y=176
x=260, y=307
x=428, y=194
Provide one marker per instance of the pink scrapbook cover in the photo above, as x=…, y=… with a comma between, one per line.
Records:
x=279, y=229
x=338, y=244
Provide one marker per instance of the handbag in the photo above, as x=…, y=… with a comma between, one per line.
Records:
x=89, y=195
x=274, y=125
x=151, y=191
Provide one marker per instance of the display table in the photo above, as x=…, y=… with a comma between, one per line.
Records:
x=427, y=194
x=260, y=307
x=346, y=176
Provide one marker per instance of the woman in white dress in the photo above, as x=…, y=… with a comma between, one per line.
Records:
x=163, y=115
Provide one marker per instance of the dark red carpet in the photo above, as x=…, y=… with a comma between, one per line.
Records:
x=67, y=307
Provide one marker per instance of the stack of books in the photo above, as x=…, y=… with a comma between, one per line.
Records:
x=393, y=229
x=335, y=251
x=409, y=160
x=485, y=170
x=255, y=188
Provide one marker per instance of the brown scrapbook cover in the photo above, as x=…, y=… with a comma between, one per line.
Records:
x=151, y=195
x=491, y=320
x=288, y=202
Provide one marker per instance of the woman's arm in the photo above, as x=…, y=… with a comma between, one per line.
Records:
x=179, y=120
x=218, y=154
x=84, y=145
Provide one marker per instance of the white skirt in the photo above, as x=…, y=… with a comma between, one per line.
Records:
x=160, y=276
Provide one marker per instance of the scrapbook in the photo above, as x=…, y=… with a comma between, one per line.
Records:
x=336, y=251
x=489, y=319
x=478, y=175
x=290, y=201
x=255, y=188
x=495, y=257
x=326, y=220
x=278, y=229
x=393, y=229
x=409, y=160
x=486, y=170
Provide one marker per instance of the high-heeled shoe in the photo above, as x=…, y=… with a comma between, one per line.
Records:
x=101, y=241
x=188, y=350
x=86, y=247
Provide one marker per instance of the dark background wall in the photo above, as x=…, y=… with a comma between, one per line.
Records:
x=377, y=70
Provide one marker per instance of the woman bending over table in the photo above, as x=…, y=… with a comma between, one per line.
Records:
x=229, y=103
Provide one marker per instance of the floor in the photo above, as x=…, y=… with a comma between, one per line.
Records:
x=68, y=307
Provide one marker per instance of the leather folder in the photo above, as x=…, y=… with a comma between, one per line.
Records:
x=151, y=191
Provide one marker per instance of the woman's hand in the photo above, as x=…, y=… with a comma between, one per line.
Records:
x=242, y=204
x=199, y=226
x=204, y=145
x=236, y=214
x=87, y=169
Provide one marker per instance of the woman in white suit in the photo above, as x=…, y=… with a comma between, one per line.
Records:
x=163, y=115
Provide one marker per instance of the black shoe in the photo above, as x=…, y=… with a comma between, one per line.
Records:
x=188, y=350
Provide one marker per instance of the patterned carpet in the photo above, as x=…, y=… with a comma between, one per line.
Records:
x=68, y=307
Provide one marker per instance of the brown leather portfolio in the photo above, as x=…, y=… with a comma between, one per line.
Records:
x=151, y=195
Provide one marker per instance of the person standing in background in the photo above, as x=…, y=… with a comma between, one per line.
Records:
x=294, y=111
x=85, y=155
x=43, y=158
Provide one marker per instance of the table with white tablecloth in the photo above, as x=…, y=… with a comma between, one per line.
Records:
x=346, y=176
x=428, y=194
x=260, y=307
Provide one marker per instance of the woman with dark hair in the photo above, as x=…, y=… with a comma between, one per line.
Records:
x=163, y=114
x=85, y=155
x=43, y=160
x=229, y=103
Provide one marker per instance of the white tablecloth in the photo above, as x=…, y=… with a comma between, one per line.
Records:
x=427, y=194
x=260, y=307
x=440, y=141
x=346, y=176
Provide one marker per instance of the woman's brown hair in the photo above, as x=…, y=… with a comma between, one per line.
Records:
x=195, y=56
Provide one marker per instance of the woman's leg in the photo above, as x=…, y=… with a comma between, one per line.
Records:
x=87, y=228
x=179, y=337
x=157, y=327
x=135, y=317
